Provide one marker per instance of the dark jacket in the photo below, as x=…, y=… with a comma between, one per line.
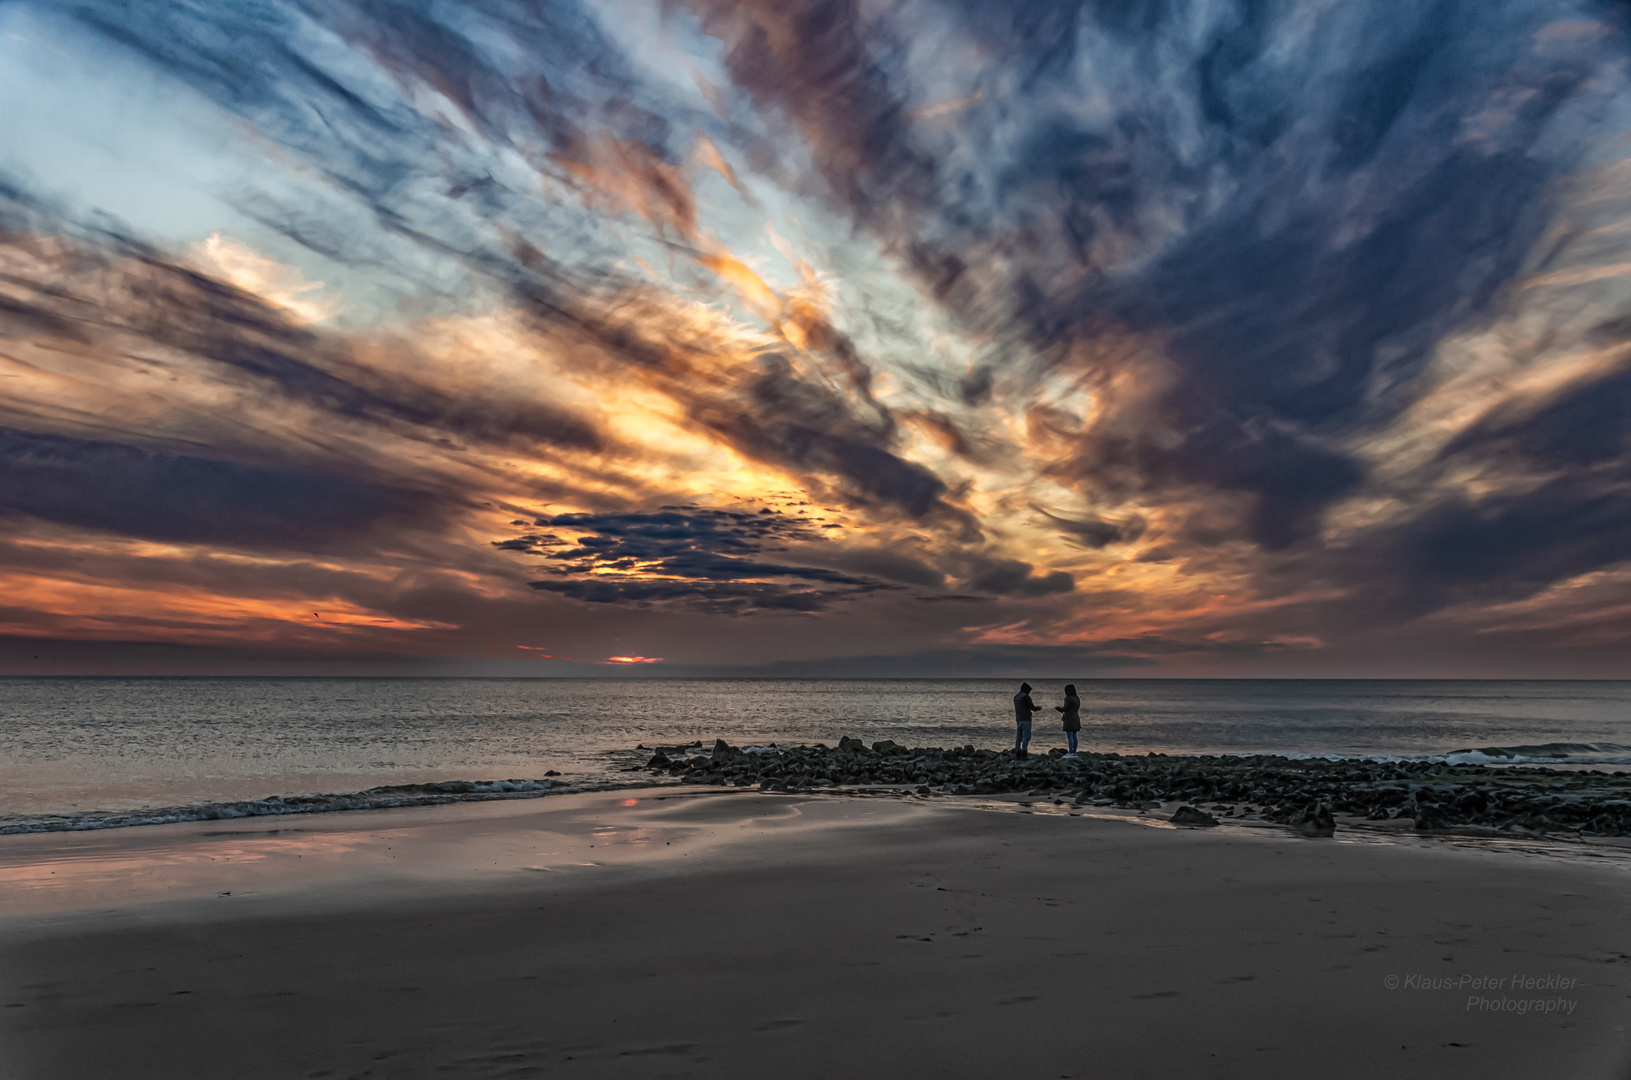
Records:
x=1072, y=709
x=1024, y=707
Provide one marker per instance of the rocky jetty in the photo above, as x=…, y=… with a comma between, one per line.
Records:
x=1306, y=793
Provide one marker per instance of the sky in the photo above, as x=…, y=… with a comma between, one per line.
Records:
x=1115, y=338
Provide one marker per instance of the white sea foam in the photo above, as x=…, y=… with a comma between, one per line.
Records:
x=380, y=798
x=1572, y=755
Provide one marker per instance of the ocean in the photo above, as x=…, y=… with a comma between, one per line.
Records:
x=99, y=752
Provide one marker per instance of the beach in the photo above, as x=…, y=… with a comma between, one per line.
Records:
x=684, y=932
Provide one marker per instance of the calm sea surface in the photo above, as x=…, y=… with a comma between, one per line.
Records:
x=80, y=746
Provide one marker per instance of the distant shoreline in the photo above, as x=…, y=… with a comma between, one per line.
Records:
x=629, y=675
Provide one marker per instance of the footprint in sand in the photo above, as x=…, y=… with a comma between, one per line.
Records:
x=777, y=1025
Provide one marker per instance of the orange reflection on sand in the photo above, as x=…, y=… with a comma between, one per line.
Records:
x=111, y=866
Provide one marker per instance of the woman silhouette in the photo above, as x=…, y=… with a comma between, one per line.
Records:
x=1072, y=710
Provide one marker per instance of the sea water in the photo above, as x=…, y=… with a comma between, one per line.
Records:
x=92, y=752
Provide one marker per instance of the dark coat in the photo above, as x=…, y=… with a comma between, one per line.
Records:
x=1072, y=709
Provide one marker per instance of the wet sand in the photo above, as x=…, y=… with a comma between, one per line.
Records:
x=670, y=933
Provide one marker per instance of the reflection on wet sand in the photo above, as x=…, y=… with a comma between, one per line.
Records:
x=416, y=848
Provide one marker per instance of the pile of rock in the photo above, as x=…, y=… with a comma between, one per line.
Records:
x=1266, y=787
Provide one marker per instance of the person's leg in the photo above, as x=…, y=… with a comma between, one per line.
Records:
x=1025, y=737
x=1019, y=738
x=1070, y=737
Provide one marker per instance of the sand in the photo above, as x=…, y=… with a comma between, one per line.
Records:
x=732, y=934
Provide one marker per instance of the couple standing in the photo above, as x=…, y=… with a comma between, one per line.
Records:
x=1024, y=707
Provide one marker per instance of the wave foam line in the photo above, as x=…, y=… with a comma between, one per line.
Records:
x=380, y=798
x=1554, y=753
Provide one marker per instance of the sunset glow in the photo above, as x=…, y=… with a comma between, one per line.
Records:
x=688, y=329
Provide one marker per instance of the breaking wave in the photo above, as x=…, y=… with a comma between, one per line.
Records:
x=1575, y=755
x=1553, y=753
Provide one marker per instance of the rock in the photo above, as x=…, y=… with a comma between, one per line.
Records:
x=923, y=789
x=724, y=751
x=852, y=746
x=1104, y=802
x=1314, y=820
x=887, y=746
x=658, y=760
x=1188, y=815
x=1429, y=817
x=1151, y=804
x=551, y=772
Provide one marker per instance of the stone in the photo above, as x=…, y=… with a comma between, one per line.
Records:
x=1429, y=817
x=887, y=746
x=1188, y=815
x=852, y=746
x=1314, y=820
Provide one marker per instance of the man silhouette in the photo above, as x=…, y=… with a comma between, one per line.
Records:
x=1023, y=708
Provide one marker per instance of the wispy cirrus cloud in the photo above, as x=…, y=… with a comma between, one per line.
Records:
x=1219, y=324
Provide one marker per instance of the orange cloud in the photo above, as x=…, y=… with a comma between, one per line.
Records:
x=633, y=177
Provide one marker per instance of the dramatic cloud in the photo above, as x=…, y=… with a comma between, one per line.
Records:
x=1173, y=332
x=158, y=496
x=702, y=559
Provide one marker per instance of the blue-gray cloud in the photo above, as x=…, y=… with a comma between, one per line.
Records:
x=704, y=560
x=1291, y=205
x=157, y=495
